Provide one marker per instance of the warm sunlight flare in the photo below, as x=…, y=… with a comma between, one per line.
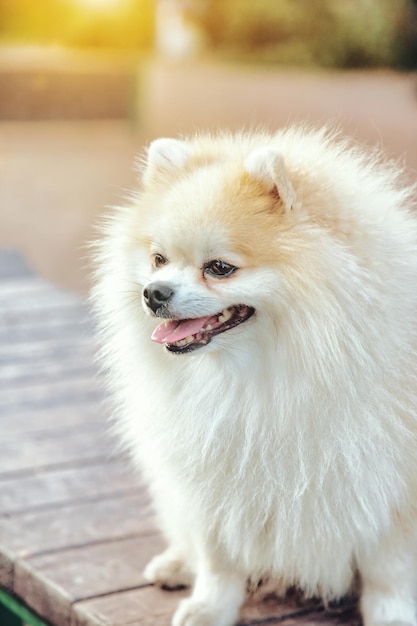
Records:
x=101, y=4
x=94, y=24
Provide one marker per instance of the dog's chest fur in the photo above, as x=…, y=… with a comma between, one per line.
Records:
x=279, y=479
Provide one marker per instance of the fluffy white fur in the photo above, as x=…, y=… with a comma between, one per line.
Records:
x=287, y=447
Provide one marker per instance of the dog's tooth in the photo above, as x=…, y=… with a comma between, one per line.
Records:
x=225, y=316
x=208, y=327
x=185, y=341
x=181, y=342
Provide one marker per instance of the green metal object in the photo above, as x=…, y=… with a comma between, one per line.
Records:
x=12, y=613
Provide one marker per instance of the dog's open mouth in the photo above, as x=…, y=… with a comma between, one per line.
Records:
x=181, y=336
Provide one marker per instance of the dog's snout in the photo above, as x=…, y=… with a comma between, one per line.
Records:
x=157, y=294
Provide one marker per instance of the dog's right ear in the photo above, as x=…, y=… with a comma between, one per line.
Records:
x=164, y=156
x=266, y=164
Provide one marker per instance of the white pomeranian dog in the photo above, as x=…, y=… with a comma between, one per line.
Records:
x=258, y=308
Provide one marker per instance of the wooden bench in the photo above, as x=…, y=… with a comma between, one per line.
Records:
x=75, y=525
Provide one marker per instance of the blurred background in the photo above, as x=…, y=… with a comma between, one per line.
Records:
x=86, y=84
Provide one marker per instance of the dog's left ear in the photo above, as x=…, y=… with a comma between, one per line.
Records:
x=165, y=155
x=267, y=165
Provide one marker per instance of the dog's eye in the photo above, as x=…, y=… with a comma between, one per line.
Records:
x=219, y=269
x=159, y=260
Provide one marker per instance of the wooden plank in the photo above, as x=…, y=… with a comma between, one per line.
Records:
x=47, y=420
x=51, y=583
x=23, y=297
x=7, y=560
x=27, y=327
x=33, y=293
x=152, y=606
x=258, y=608
x=52, y=351
x=75, y=310
x=40, y=324
x=49, y=339
x=135, y=606
x=34, y=452
x=60, y=487
x=40, y=311
x=46, y=300
x=18, y=374
x=77, y=525
x=59, y=393
x=315, y=618
x=295, y=608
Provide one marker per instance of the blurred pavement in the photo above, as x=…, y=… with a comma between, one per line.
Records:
x=56, y=177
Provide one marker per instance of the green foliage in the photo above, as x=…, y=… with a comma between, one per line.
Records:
x=329, y=33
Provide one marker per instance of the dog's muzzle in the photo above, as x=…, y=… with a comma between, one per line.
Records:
x=157, y=296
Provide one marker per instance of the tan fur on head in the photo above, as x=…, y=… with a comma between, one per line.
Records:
x=267, y=165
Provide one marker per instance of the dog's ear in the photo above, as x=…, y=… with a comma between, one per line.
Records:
x=165, y=155
x=267, y=165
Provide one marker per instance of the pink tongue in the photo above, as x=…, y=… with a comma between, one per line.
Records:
x=173, y=330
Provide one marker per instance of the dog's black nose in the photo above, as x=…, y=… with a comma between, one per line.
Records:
x=157, y=294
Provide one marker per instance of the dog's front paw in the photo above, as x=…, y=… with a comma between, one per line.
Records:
x=168, y=570
x=193, y=612
x=388, y=610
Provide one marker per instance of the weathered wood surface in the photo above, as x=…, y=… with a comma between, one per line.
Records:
x=76, y=528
